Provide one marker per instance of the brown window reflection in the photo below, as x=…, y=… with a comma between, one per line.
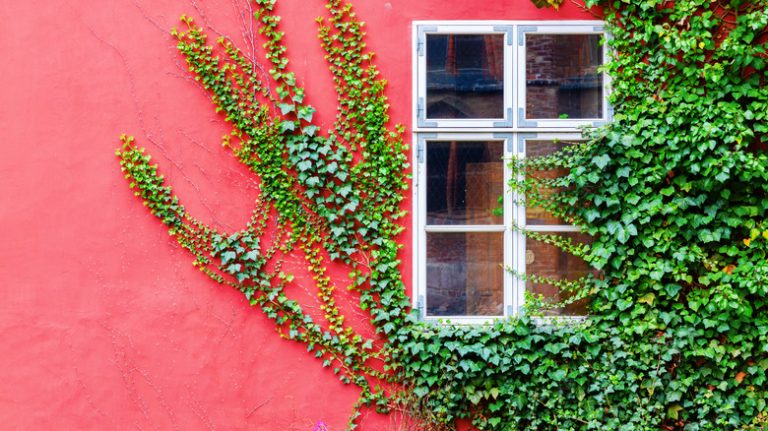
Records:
x=561, y=79
x=464, y=274
x=535, y=215
x=465, y=76
x=549, y=261
x=464, y=182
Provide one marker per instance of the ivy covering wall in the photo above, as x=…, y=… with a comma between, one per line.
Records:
x=674, y=192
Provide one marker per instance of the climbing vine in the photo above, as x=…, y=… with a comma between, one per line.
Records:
x=333, y=197
x=674, y=193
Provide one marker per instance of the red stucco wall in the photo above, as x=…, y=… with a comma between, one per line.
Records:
x=104, y=322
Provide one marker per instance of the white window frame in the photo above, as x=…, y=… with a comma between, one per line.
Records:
x=421, y=31
x=558, y=28
x=420, y=213
x=513, y=130
x=520, y=216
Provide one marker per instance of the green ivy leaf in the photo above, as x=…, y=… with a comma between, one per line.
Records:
x=286, y=108
x=228, y=256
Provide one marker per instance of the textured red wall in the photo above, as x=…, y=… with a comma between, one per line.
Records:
x=104, y=323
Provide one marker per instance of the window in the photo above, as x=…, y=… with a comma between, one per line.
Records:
x=485, y=92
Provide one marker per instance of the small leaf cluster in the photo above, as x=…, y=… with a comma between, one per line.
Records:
x=555, y=4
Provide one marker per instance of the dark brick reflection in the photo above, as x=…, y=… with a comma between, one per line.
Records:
x=465, y=76
x=464, y=274
x=561, y=76
x=549, y=261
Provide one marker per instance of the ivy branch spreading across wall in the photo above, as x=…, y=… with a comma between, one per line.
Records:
x=316, y=199
x=674, y=192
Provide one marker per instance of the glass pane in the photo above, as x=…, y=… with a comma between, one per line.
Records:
x=549, y=261
x=562, y=80
x=465, y=181
x=464, y=274
x=535, y=215
x=465, y=76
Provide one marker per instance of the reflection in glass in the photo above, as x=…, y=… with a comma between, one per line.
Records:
x=535, y=215
x=561, y=79
x=464, y=274
x=464, y=182
x=549, y=261
x=465, y=76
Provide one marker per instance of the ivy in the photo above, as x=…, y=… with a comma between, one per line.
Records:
x=327, y=197
x=674, y=193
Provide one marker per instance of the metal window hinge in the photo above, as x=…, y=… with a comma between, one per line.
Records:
x=522, y=137
x=505, y=123
x=420, y=306
x=421, y=115
x=421, y=35
x=507, y=29
x=522, y=121
x=420, y=151
x=522, y=30
x=421, y=145
x=509, y=137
